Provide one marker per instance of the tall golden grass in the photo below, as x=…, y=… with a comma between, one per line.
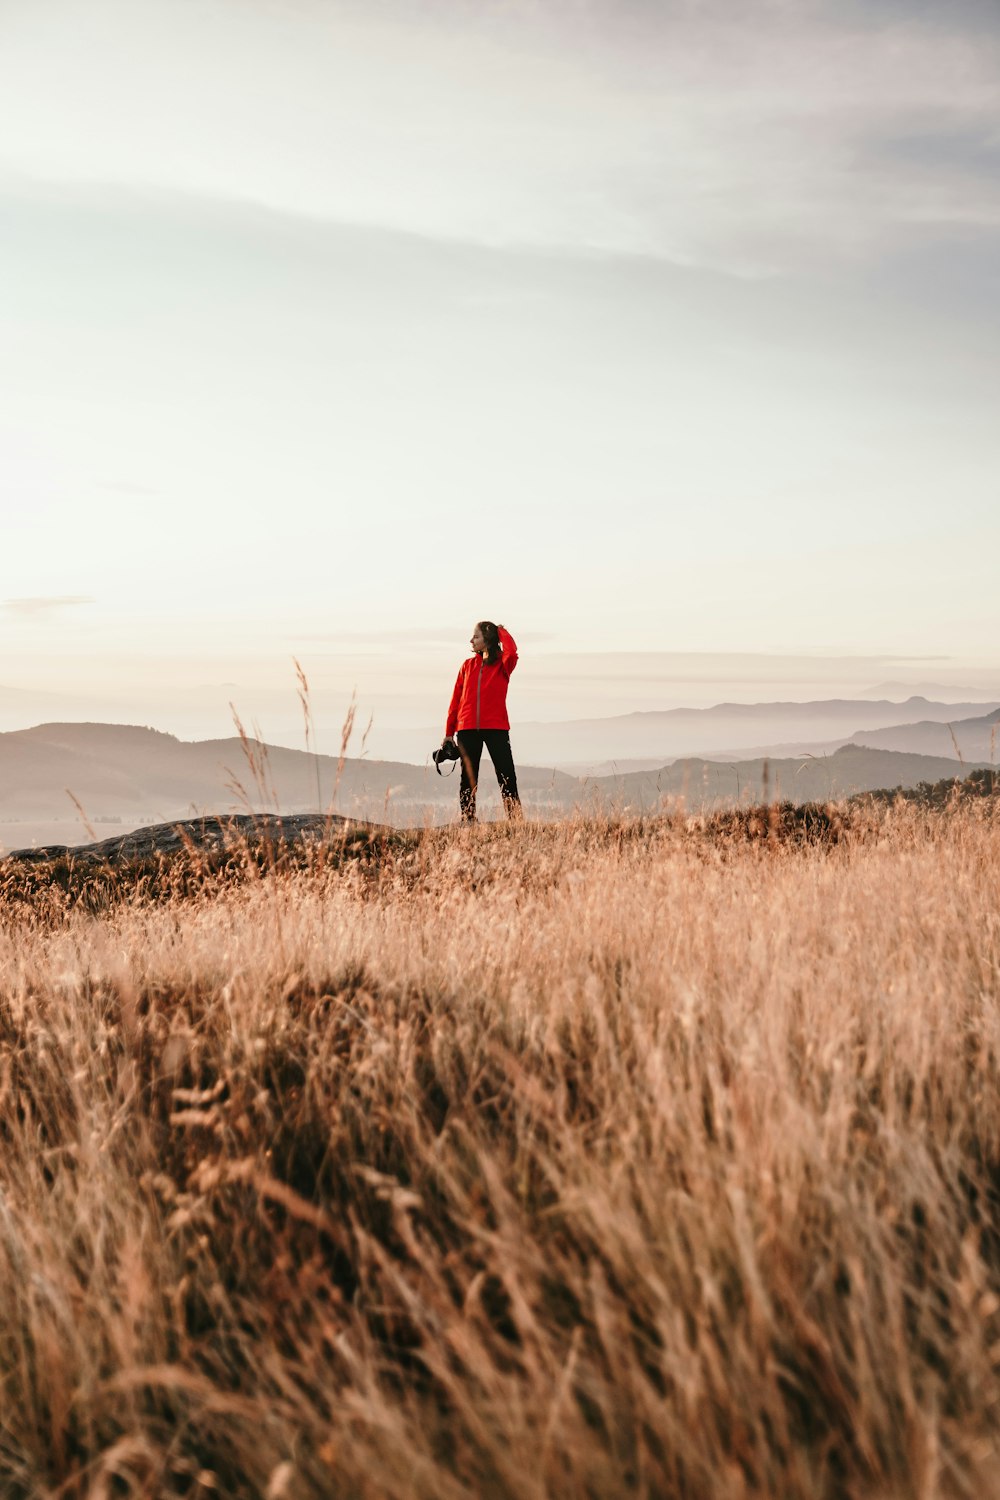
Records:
x=595, y=1160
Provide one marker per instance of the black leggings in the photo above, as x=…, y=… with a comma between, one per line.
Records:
x=497, y=742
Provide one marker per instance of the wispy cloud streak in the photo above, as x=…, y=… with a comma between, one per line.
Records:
x=45, y=605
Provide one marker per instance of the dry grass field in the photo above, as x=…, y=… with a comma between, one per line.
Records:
x=593, y=1160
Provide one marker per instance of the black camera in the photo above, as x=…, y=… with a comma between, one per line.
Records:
x=448, y=751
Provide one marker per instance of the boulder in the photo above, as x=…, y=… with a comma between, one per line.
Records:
x=212, y=837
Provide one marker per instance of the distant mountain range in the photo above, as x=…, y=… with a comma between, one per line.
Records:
x=966, y=739
x=123, y=776
x=976, y=739
x=942, y=690
x=730, y=729
x=821, y=778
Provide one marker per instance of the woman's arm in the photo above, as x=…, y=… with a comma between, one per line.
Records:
x=452, y=724
x=508, y=648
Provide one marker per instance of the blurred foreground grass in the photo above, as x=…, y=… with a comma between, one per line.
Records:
x=655, y=1158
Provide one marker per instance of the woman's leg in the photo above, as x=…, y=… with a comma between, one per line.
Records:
x=498, y=744
x=470, y=744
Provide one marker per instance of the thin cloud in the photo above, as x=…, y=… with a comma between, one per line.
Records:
x=31, y=608
x=747, y=139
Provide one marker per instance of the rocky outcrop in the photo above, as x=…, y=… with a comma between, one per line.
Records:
x=212, y=838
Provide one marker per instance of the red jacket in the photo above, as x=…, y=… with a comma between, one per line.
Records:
x=480, y=697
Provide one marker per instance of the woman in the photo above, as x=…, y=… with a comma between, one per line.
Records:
x=478, y=716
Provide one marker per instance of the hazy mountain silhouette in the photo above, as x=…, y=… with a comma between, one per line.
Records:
x=125, y=776
x=976, y=739
x=971, y=739
x=138, y=775
x=710, y=783
x=664, y=735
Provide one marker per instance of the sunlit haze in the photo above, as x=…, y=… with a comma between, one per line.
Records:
x=666, y=334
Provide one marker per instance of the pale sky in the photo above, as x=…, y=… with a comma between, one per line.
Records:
x=328, y=329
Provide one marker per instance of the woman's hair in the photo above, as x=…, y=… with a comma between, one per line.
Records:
x=491, y=636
